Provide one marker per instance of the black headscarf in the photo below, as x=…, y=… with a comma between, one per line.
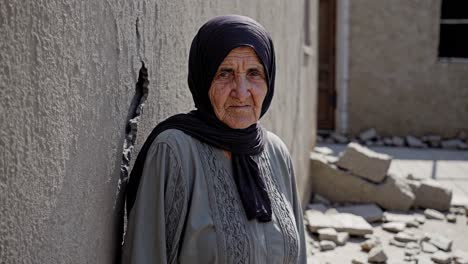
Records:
x=210, y=46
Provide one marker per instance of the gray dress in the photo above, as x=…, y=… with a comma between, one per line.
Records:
x=188, y=209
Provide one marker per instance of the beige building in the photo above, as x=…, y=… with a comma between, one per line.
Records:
x=68, y=85
x=398, y=66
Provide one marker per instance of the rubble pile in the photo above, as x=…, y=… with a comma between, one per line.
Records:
x=355, y=196
x=370, y=137
x=360, y=175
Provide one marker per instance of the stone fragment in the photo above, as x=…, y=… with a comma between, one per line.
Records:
x=413, y=224
x=331, y=211
x=364, y=162
x=368, y=134
x=387, y=141
x=398, y=217
x=323, y=150
x=412, y=248
x=431, y=194
x=341, y=222
x=460, y=257
x=414, y=142
x=339, y=138
x=451, y=218
x=441, y=242
x=327, y=245
x=328, y=234
x=370, y=243
x=460, y=201
x=342, y=238
x=432, y=140
x=398, y=141
x=428, y=247
x=394, y=227
x=317, y=207
x=377, y=255
x=406, y=236
x=370, y=212
x=341, y=186
x=396, y=243
x=420, y=219
x=434, y=214
x=359, y=260
x=457, y=210
x=441, y=257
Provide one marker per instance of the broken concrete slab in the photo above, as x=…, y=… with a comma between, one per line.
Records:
x=394, y=227
x=328, y=234
x=434, y=214
x=364, y=162
x=371, y=212
x=441, y=257
x=341, y=222
x=398, y=217
x=327, y=245
x=428, y=247
x=431, y=194
x=441, y=242
x=368, y=134
x=377, y=255
x=340, y=186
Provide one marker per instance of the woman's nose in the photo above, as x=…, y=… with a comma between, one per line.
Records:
x=242, y=89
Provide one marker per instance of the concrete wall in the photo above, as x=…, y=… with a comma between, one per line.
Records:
x=68, y=72
x=397, y=83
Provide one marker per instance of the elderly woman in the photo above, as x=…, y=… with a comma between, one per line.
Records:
x=213, y=186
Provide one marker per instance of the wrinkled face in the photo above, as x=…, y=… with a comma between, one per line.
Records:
x=239, y=88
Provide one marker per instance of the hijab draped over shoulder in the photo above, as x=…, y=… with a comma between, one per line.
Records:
x=214, y=40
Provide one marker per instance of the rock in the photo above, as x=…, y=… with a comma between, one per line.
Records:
x=370, y=243
x=342, y=238
x=460, y=257
x=413, y=224
x=341, y=186
x=328, y=234
x=451, y=218
x=441, y=258
x=412, y=248
x=421, y=219
x=394, y=227
x=370, y=212
x=457, y=210
x=364, y=162
x=398, y=217
x=431, y=194
x=368, y=134
x=317, y=207
x=323, y=150
x=396, y=243
x=428, y=247
x=341, y=222
x=398, y=141
x=434, y=214
x=331, y=211
x=359, y=260
x=327, y=245
x=451, y=143
x=441, y=242
x=414, y=142
x=407, y=236
x=460, y=201
x=377, y=255
x=387, y=141
x=339, y=138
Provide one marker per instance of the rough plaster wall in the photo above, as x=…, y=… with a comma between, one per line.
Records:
x=397, y=84
x=67, y=78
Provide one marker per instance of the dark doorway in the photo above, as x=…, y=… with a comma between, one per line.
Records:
x=326, y=75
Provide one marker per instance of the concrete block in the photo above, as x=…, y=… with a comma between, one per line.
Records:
x=370, y=212
x=431, y=194
x=340, y=186
x=328, y=234
x=342, y=222
x=364, y=162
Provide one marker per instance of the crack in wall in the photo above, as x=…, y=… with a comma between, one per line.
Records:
x=131, y=128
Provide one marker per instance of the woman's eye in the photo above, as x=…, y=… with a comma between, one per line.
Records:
x=255, y=74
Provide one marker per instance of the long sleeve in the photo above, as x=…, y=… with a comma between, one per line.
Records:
x=296, y=204
x=156, y=221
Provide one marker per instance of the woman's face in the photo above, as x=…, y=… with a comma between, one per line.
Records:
x=239, y=88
